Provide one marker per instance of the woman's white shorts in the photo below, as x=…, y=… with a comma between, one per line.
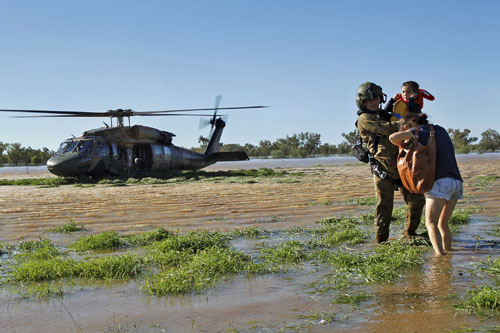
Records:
x=446, y=188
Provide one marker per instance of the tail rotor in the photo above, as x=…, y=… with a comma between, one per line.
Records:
x=204, y=122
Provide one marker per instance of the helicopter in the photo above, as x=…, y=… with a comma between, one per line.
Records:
x=134, y=150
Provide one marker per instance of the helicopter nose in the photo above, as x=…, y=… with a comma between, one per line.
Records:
x=66, y=166
x=58, y=166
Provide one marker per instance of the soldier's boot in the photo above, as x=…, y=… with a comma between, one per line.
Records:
x=415, y=205
x=381, y=232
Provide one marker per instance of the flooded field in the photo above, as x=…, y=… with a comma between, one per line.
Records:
x=285, y=206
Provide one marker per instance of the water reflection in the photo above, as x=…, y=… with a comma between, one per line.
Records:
x=437, y=283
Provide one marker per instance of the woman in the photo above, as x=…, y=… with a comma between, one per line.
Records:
x=447, y=189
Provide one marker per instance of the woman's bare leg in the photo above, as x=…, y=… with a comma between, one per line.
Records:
x=433, y=209
x=443, y=225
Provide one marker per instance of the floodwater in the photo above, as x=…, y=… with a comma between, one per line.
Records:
x=422, y=301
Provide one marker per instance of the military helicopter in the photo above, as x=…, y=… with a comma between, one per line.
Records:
x=129, y=150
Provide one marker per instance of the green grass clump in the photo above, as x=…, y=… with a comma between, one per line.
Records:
x=43, y=270
x=484, y=182
x=319, y=203
x=263, y=172
x=250, y=232
x=335, y=231
x=462, y=216
x=496, y=231
x=367, y=201
x=5, y=248
x=110, y=267
x=37, y=249
x=205, y=269
x=288, y=253
x=385, y=264
x=107, y=240
x=231, y=176
x=164, y=259
x=39, y=181
x=492, y=267
x=193, y=242
x=398, y=216
x=67, y=227
x=148, y=237
x=479, y=300
x=353, y=299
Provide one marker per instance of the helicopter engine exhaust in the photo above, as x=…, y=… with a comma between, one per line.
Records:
x=140, y=132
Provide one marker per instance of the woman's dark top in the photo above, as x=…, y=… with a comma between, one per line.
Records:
x=446, y=163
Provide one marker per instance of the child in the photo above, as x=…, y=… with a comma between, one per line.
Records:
x=411, y=100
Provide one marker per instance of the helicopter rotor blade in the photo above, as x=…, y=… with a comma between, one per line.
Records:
x=127, y=112
x=142, y=115
x=203, y=123
x=73, y=113
x=217, y=101
x=212, y=121
x=206, y=109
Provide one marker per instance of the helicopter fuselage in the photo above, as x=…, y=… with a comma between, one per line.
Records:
x=130, y=150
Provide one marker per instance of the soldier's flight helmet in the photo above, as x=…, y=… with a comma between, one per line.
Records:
x=369, y=90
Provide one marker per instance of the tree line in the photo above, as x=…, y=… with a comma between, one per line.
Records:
x=15, y=154
x=300, y=145
x=308, y=144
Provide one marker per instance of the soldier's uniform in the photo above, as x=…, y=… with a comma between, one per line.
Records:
x=374, y=126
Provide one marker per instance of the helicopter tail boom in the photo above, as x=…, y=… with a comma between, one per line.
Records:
x=228, y=156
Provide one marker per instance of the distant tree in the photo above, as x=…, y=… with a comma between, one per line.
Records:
x=251, y=150
x=28, y=153
x=327, y=149
x=351, y=137
x=36, y=159
x=284, y=146
x=231, y=147
x=203, y=141
x=310, y=143
x=490, y=141
x=277, y=154
x=45, y=154
x=15, y=153
x=344, y=148
x=3, y=148
x=307, y=144
x=461, y=140
x=264, y=148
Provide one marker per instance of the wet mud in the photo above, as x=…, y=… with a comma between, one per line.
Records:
x=421, y=301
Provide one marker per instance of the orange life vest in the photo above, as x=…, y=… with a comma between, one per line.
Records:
x=400, y=108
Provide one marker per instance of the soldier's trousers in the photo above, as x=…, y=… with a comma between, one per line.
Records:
x=384, y=189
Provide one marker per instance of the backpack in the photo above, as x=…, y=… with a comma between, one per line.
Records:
x=417, y=164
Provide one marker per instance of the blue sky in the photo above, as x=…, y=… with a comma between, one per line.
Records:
x=304, y=59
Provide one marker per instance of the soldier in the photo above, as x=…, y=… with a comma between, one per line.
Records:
x=374, y=128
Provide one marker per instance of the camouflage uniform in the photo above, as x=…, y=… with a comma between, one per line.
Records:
x=370, y=125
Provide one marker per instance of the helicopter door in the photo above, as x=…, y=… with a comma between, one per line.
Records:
x=121, y=151
x=142, y=157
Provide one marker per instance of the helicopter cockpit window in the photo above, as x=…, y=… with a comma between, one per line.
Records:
x=84, y=147
x=71, y=146
x=62, y=147
x=101, y=149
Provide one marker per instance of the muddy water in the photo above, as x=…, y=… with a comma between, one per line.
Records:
x=421, y=302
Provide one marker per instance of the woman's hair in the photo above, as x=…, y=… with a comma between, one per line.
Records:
x=415, y=118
